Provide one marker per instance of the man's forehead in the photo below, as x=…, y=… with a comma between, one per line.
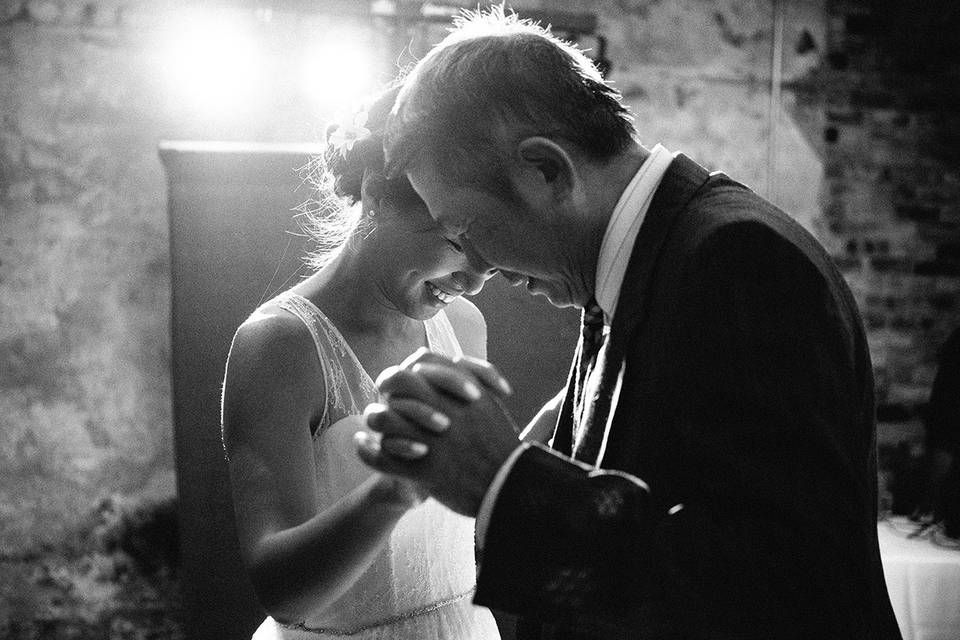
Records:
x=451, y=222
x=428, y=176
x=433, y=189
x=453, y=204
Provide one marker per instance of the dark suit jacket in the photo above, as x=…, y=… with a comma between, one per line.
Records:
x=734, y=494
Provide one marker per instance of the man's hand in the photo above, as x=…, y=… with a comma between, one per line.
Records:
x=441, y=424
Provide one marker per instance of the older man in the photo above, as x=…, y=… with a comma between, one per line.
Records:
x=712, y=469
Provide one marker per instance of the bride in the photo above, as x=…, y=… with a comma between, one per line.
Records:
x=334, y=549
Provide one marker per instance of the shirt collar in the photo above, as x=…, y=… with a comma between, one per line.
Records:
x=623, y=227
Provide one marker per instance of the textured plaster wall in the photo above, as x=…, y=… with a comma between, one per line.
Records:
x=84, y=289
x=865, y=155
x=84, y=394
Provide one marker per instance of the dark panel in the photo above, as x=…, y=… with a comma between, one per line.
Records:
x=229, y=211
x=530, y=341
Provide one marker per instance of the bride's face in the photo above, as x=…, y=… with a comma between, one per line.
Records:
x=416, y=267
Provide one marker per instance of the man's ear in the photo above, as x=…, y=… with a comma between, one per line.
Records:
x=545, y=165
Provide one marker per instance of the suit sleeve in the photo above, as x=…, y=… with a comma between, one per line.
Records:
x=566, y=520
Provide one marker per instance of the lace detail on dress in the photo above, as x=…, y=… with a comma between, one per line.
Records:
x=330, y=342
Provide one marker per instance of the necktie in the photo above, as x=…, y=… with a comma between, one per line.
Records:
x=591, y=339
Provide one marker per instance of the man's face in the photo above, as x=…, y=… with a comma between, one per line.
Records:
x=500, y=232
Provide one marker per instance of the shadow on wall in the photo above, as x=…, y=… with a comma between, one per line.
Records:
x=116, y=577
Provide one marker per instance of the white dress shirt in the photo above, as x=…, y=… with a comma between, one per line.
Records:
x=615, y=252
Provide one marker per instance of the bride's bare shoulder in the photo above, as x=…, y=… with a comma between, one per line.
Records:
x=270, y=332
x=272, y=351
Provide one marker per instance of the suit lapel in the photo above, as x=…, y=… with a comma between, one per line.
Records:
x=563, y=432
x=680, y=182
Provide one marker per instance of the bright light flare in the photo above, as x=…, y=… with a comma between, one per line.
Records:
x=215, y=62
x=338, y=72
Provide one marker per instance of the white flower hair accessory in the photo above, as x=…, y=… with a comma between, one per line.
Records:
x=346, y=135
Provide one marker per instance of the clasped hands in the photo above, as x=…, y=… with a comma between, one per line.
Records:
x=441, y=424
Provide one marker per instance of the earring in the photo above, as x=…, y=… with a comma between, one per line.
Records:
x=372, y=213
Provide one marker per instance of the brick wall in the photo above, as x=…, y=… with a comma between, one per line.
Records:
x=883, y=110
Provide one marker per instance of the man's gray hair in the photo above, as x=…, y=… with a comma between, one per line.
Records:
x=494, y=80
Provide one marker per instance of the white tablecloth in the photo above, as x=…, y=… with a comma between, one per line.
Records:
x=923, y=580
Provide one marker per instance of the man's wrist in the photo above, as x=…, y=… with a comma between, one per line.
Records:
x=490, y=497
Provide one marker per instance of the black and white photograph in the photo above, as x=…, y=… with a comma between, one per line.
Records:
x=459, y=320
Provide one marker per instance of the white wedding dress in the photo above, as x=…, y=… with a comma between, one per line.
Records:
x=421, y=585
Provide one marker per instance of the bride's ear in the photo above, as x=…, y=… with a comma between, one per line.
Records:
x=545, y=169
x=372, y=189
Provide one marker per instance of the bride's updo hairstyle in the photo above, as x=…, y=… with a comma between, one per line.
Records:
x=334, y=215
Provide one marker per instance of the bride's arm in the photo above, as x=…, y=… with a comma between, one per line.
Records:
x=299, y=560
